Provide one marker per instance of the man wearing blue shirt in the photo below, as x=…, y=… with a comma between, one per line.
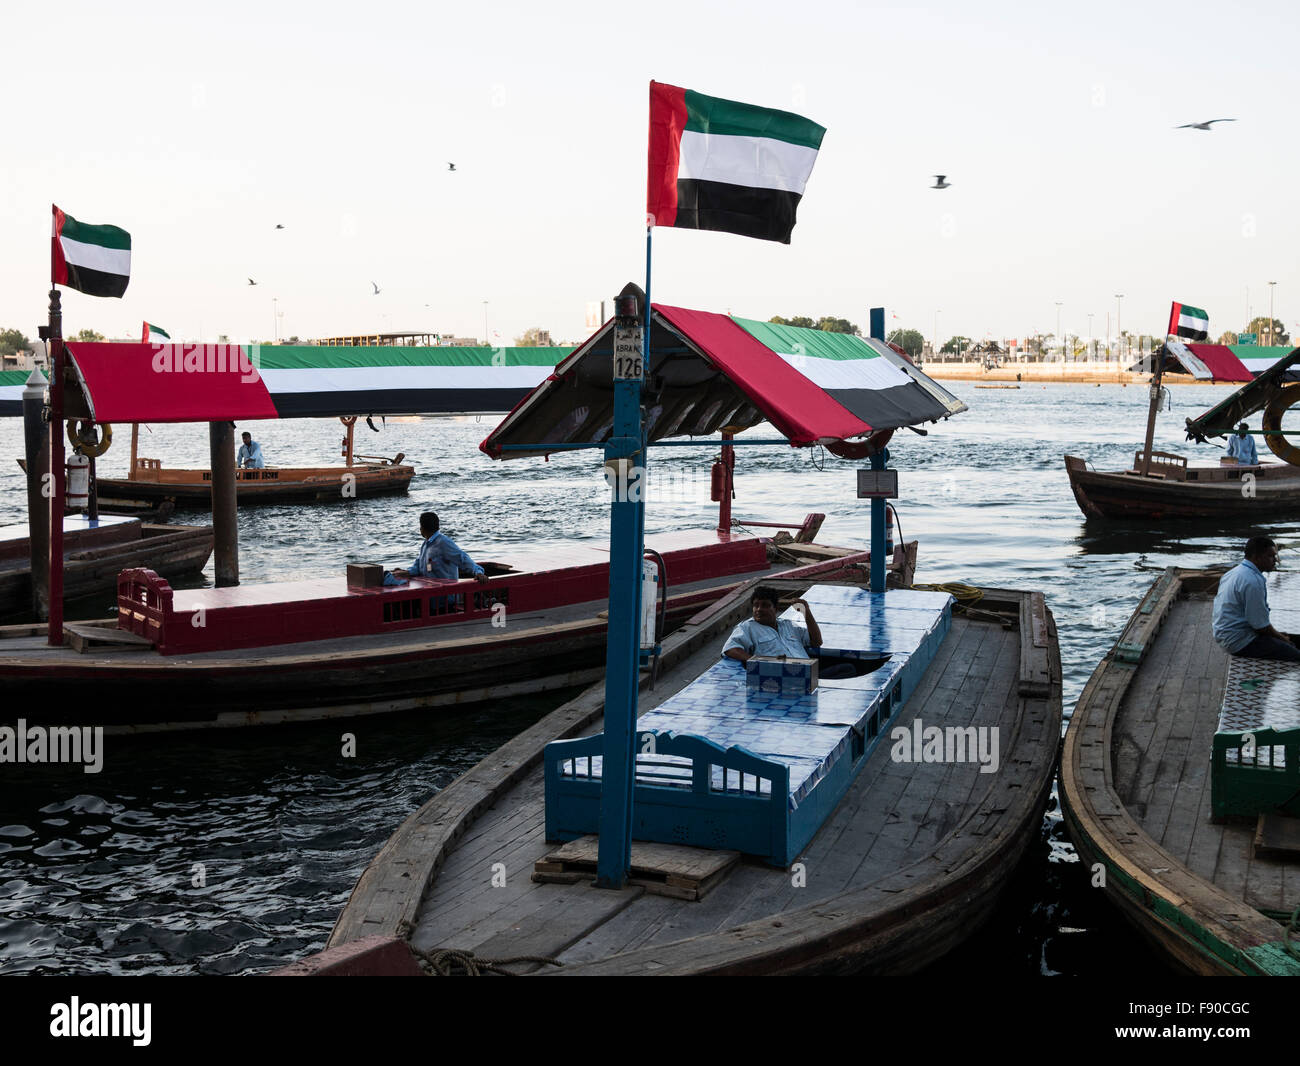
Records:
x=250, y=454
x=765, y=634
x=439, y=556
x=1242, y=447
x=1241, y=619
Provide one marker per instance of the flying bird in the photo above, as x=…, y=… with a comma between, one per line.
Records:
x=1203, y=125
x=376, y=292
x=278, y=226
x=251, y=281
x=940, y=183
x=451, y=166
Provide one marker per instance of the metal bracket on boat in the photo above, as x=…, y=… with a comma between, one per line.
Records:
x=1130, y=653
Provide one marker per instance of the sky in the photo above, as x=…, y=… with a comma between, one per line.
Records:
x=199, y=129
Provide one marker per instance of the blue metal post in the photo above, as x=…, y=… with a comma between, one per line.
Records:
x=623, y=643
x=878, y=462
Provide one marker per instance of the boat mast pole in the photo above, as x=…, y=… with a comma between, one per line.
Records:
x=728, y=482
x=135, y=446
x=625, y=459
x=37, y=443
x=1151, y=411
x=56, y=472
x=878, y=462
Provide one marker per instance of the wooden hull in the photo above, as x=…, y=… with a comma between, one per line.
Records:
x=1136, y=804
x=134, y=689
x=893, y=882
x=91, y=563
x=193, y=488
x=1119, y=495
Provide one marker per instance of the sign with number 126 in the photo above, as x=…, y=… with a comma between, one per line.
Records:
x=627, y=354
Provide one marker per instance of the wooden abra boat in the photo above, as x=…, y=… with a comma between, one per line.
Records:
x=1172, y=489
x=907, y=863
x=306, y=650
x=149, y=482
x=1162, y=485
x=1183, y=858
x=95, y=552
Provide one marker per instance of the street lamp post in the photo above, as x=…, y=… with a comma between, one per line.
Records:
x=275, y=316
x=936, y=334
x=1119, y=331
x=1270, y=311
x=487, y=338
x=1058, y=330
x=1090, y=332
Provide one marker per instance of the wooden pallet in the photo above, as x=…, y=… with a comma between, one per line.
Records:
x=1277, y=836
x=661, y=869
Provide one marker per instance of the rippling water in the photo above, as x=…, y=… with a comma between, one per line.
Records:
x=101, y=873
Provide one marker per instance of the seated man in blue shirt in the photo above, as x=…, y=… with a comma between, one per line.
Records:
x=439, y=556
x=1241, y=619
x=1242, y=447
x=765, y=634
x=250, y=454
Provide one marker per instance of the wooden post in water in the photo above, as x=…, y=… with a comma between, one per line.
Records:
x=36, y=445
x=1151, y=411
x=225, y=505
x=135, y=446
x=54, y=560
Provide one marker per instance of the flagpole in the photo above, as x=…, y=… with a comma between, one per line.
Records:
x=625, y=452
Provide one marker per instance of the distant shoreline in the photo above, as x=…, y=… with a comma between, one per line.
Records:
x=1060, y=373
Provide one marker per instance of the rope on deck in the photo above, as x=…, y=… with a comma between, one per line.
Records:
x=451, y=962
x=967, y=596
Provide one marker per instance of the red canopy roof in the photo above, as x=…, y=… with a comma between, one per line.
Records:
x=170, y=383
x=792, y=403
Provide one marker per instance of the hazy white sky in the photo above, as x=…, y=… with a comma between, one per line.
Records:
x=199, y=127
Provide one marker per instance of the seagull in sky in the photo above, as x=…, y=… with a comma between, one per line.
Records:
x=251, y=281
x=1203, y=125
x=278, y=226
x=376, y=292
x=451, y=166
x=940, y=183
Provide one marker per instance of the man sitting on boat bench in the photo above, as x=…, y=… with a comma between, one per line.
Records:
x=1242, y=447
x=765, y=634
x=439, y=556
x=1241, y=618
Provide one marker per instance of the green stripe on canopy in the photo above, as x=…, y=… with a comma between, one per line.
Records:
x=799, y=340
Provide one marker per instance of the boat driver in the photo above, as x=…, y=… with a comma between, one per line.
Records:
x=765, y=634
x=250, y=454
x=1241, y=618
x=439, y=557
x=1242, y=447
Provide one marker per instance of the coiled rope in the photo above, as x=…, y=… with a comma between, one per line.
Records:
x=450, y=962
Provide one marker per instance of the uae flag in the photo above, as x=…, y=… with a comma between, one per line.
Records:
x=1189, y=322
x=154, y=335
x=95, y=260
x=721, y=165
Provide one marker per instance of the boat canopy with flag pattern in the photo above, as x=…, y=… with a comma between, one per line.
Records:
x=1224, y=416
x=710, y=372
x=203, y=382
x=1220, y=362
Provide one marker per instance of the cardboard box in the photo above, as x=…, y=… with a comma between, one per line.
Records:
x=773, y=674
x=365, y=576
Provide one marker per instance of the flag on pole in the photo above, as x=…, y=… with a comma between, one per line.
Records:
x=1189, y=322
x=95, y=260
x=721, y=165
x=154, y=335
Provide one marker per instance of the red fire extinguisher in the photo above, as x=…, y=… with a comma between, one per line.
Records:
x=890, y=518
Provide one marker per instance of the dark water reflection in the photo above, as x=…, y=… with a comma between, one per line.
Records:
x=98, y=873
